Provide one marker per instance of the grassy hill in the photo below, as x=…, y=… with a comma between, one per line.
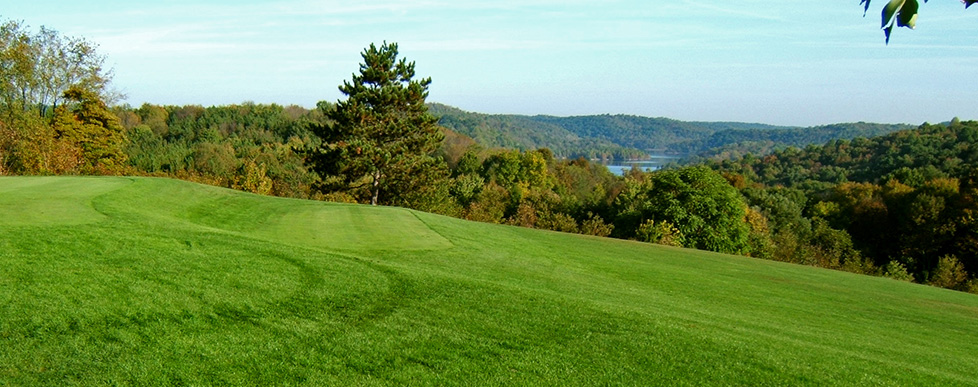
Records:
x=154, y=281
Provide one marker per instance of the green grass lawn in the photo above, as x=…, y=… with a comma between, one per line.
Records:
x=155, y=281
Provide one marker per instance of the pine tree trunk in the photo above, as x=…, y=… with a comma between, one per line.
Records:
x=373, y=200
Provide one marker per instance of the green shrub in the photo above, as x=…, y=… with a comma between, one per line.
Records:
x=596, y=226
x=663, y=233
x=949, y=274
x=896, y=270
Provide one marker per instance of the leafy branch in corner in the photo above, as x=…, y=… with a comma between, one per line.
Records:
x=901, y=13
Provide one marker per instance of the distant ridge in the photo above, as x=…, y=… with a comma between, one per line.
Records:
x=628, y=136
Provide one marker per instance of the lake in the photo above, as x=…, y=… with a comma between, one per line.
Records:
x=654, y=162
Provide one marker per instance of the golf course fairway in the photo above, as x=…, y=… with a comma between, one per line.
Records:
x=146, y=281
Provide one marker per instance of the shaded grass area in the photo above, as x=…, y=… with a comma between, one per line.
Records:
x=177, y=283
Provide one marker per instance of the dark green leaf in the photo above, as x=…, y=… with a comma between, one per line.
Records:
x=890, y=10
x=908, y=14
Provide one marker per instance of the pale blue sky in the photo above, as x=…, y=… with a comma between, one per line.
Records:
x=770, y=61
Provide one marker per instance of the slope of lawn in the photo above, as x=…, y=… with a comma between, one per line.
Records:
x=155, y=281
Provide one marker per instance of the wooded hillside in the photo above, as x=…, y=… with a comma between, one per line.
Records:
x=633, y=137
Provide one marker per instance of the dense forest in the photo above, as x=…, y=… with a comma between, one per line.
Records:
x=256, y=148
x=730, y=143
x=901, y=205
x=906, y=202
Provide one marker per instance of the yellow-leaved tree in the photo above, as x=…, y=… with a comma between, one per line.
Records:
x=86, y=122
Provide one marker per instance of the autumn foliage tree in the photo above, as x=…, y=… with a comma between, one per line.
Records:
x=37, y=68
x=39, y=73
x=86, y=122
x=378, y=147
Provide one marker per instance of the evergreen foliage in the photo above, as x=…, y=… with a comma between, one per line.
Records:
x=381, y=137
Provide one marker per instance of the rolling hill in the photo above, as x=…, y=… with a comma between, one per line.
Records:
x=117, y=280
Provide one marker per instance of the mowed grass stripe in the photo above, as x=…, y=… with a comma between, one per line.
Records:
x=354, y=228
x=310, y=224
x=181, y=283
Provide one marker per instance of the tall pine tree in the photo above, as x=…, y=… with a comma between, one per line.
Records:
x=381, y=138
